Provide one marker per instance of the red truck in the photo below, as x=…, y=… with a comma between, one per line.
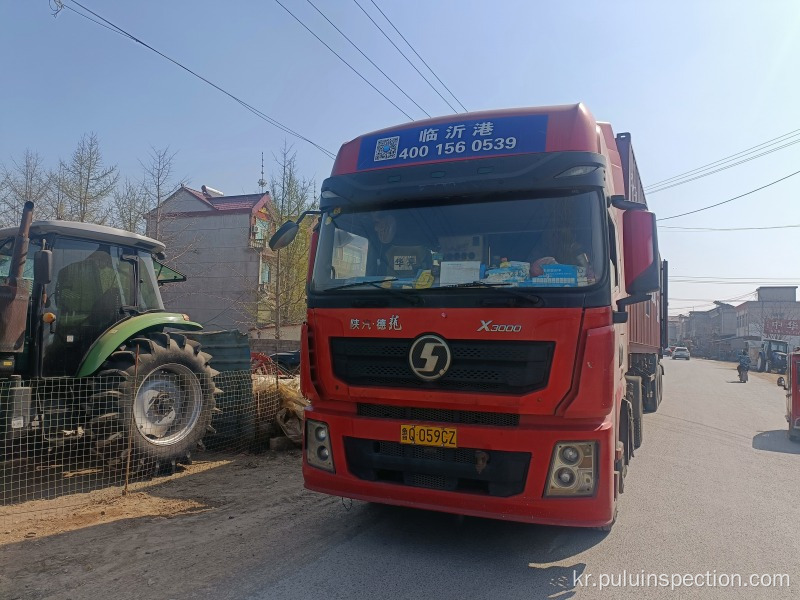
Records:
x=485, y=317
x=792, y=386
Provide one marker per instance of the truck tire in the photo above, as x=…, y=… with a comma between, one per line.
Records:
x=637, y=419
x=154, y=414
x=760, y=364
x=653, y=399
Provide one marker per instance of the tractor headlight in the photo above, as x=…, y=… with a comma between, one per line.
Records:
x=318, y=448
x=572, y=469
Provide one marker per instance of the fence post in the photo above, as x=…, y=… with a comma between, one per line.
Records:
x=133, y=421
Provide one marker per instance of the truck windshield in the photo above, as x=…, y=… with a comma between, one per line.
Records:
x=552, y=242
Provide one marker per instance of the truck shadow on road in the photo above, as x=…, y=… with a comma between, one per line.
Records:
x=478, y=550
x=775, y=441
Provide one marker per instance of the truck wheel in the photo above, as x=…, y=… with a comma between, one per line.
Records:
x=760, y=365
x=157, y=411
x=654, y=398
x=638, y=421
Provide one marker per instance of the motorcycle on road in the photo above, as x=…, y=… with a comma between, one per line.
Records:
x=743, y=370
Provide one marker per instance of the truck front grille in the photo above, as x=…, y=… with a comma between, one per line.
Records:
x=497, y=367
x=437, y=415
x=466, y=470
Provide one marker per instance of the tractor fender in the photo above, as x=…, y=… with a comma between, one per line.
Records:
x=116, y=335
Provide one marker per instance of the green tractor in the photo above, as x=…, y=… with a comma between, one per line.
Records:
x=88, y=355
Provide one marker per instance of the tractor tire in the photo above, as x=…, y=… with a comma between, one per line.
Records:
x=760, y=364
x=152, y=415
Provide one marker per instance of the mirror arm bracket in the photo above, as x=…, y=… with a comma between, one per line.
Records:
x=623, y=302
x=621, y=203
x=304, y=214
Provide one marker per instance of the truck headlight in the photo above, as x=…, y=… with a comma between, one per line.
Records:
x=318, y=448
x=572, y=469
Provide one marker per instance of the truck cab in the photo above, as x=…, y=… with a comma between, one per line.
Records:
x=483, y=328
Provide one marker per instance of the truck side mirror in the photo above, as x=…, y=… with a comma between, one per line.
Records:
x=781, y=382
x=43, y=267
x=640, y=247
x=284, y=236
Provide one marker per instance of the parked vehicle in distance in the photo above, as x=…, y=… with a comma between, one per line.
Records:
x=288, y=361
x=770, y=355
x=681, y=352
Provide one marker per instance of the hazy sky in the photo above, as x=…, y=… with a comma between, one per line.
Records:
x=692, y=81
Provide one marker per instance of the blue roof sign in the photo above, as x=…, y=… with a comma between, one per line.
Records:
x=470, y=138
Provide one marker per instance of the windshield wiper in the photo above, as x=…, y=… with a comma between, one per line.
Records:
x=500, y=287
x=377, y=283
x=373, y=282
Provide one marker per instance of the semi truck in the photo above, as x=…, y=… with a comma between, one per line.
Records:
x=486, y=312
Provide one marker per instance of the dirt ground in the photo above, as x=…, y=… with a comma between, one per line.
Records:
x=183, y=536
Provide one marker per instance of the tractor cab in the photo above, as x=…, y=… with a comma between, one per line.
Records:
x=98, y=276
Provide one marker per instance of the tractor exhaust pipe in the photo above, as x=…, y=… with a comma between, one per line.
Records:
x=20, y=253
x=14, y=295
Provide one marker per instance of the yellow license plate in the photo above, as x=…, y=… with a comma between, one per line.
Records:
x=422, y=435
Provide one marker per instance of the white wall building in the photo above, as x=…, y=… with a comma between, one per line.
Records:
x=219, y=243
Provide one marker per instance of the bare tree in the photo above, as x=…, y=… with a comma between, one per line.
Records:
x=54, y=205
x=291, y=195
x=158, y=184
x=25, y=180
x=129, y=205
x=88, y=182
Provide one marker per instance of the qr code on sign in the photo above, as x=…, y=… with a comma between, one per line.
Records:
x=386, y=148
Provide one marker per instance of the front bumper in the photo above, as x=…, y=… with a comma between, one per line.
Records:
x=504, y=498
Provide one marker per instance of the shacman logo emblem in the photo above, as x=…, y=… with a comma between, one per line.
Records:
x=429, y=357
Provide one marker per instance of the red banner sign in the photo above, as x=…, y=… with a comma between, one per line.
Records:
x=782, y=326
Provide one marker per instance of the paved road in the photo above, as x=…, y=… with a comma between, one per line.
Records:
x=715, y=487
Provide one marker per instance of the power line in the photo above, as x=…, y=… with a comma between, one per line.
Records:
x=722, y=160
x=691, y=212
x=418, y=56
x=339, y=56
x=352, y=43
x=710, y=303
x=109, y=25
x=710, y=229
x=404, y=56
x=758, y=283
x=722, y=168
x=733, y=278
